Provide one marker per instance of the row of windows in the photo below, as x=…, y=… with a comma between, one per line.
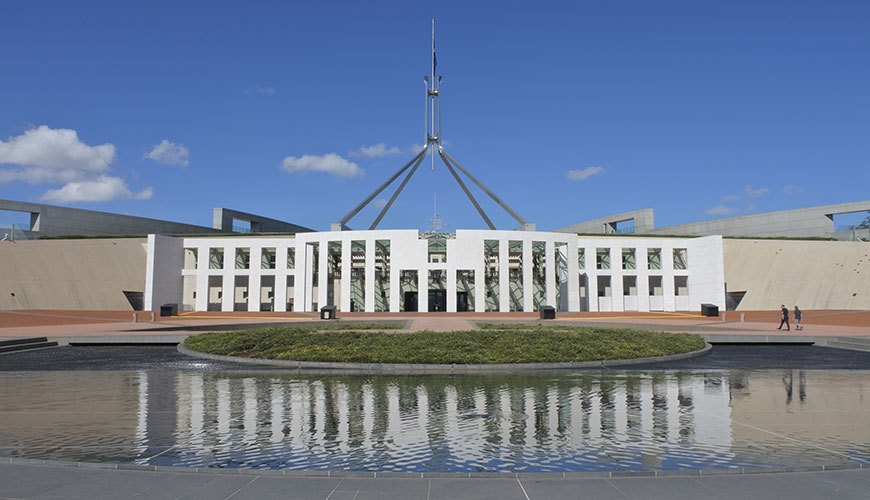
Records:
x=268, y=255
x=242, y=260
x=629, y=258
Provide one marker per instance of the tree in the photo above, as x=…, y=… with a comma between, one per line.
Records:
x=864, y=223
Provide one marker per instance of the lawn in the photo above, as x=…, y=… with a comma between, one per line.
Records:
x=491, y=344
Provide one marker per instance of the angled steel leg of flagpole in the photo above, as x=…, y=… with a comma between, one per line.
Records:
x=489, y=223
x=377, y=221
x=485, y=189
x=350, y=215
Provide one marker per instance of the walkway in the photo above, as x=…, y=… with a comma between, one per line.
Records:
x=760, y=325
x=25, y=481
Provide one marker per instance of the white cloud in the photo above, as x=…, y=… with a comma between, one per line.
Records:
x=721, y=210
x=755, y=193
x=44, y=153
x=379, y=150
x=380, y=203
x=259, y=89
x=748, y=194
x=103, y=188
x=794, y=190
x=331, y=164
x=169, y=153
x=582, y=175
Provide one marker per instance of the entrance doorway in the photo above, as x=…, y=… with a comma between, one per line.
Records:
x=437, y=300
x=410, y=301
x=461, y=301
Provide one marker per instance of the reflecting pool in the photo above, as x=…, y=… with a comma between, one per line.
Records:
x=578, y=421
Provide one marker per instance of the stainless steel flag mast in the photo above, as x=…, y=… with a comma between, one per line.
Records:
x=433, y=145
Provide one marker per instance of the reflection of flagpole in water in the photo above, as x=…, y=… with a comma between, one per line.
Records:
x=142, y=413
x=422, y=411
x=368, y=416
x=276, y=393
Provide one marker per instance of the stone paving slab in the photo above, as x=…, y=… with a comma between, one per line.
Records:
x=34, y=481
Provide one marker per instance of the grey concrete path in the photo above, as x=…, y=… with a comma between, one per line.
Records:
x=24, y=481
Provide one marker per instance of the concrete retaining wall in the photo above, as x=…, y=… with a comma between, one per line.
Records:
x=71, y=274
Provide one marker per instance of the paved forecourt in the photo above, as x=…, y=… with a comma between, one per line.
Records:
x=130, y=327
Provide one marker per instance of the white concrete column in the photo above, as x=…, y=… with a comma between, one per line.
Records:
x=304, y=290
x=370, y=298
x=322, y=271
x=528, y=285
x=592, y=279
x=642, y=279
x=480, y=286
x=281, y=290
x=573, y=277
x=254, y=291
x=550, y=264
x=346, y=271
x=423, y=290
x=450, y=288
x=504, y=282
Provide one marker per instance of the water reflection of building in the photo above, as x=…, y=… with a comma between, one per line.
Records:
x=577, y=421
x=417, y=424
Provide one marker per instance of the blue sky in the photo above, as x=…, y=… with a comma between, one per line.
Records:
x=568, y=111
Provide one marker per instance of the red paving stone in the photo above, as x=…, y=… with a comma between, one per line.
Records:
x=54, y=323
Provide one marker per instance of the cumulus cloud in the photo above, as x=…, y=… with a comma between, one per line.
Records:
x=169, y=153
x=721, y=210
x=103, y=188
x=43, y=155
x=749, y=193
x=331, y=164
x=259, y=89
x=794, y=190
x=379, y=150
x=582, y=175
x=755, y=193
x=43, y=151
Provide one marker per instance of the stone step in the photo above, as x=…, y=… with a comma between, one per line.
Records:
x=25, y=344
x=851, y=343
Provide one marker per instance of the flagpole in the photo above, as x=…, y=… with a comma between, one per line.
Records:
x=431, y=88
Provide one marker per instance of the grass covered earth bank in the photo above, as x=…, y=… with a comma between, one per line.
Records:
x=491, y=344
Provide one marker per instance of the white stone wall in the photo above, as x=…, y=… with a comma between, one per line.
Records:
x=704, y=274
x=163, y=280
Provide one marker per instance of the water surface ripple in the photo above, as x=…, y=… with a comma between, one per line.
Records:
x=631, y=420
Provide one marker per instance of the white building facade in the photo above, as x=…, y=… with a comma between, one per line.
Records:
x=403, y=270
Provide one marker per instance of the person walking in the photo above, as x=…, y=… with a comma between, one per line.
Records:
x=784, y=320
x=797, y=319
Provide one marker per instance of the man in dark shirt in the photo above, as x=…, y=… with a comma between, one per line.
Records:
x=784, y=320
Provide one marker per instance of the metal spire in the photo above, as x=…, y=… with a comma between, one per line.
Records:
x=433, y=146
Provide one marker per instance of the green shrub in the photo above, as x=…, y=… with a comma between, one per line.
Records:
x=492, y=344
